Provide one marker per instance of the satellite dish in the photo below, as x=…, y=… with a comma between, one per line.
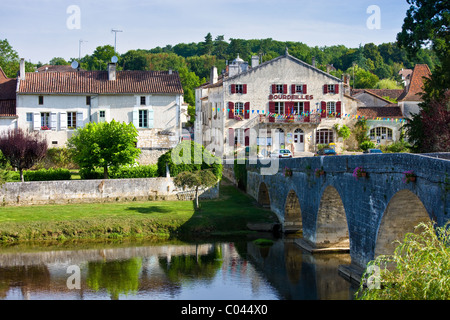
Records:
x=114, y=59
x=74, y=64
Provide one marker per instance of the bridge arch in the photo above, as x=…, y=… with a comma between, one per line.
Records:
x=292, y=213
x=263, y=195
x=331, y=226
x=403, y=212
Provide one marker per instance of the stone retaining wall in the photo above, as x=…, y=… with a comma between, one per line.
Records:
x=86, y=191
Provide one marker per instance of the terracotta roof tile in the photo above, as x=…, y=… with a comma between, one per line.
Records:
x=391, y=93
x=389, y=111
x=58, y=68
x=7, y=108
x=134, y=82
x=416, y=83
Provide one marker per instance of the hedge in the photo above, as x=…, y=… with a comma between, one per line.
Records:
x=149, y=171
x=40, y=175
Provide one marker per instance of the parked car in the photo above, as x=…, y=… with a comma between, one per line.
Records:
x=282, y=153
x=326, y=152
x=373, y=151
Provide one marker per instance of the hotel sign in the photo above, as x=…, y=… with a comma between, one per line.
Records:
x=290, y=97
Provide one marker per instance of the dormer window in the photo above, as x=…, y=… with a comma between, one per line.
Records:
x=41, y=100
x=143, y=101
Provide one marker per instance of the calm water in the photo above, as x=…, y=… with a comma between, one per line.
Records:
x=171, y=271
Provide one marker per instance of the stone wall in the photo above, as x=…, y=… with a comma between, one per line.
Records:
x=86, y=191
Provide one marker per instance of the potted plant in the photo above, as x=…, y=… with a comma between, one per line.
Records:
x=359, y=172
x=238, y=117
x=319, y=172
x=409, y=176
x=287, y=172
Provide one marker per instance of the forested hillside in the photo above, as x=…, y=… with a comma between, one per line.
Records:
x=369, y=63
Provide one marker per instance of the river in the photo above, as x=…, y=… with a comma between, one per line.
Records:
x=171, y=270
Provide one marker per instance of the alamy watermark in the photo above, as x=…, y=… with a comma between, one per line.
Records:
x=73, y=21
x=374, y=20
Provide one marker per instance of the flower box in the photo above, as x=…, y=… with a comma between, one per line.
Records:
x=359, y=172
x=319, y=172
x=287, y=172
x=409, y=176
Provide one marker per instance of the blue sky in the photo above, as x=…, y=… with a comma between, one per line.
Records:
x=37, y=29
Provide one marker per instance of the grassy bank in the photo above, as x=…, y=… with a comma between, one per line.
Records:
x=227, y=215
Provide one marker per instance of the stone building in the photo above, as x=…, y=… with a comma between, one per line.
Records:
x=57, y=103
x=282, y=103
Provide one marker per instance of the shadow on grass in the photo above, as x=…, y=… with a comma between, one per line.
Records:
x=150, y=209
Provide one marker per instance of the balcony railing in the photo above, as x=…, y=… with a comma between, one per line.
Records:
x=312, y=118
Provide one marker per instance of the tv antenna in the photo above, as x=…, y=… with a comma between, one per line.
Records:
x=115, y=38
x=79, y=48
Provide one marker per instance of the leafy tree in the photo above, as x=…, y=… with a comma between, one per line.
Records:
x=99, y=59
x=104, y=145
x=426, y=23
x=195, y=179
x=361, y=131
x=418, y=269
x=387, y=84
x=23, y=148
x=58, y=61
x=208, y=45
x=363, y=79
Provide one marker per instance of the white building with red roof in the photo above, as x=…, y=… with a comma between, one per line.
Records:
x=57, y=103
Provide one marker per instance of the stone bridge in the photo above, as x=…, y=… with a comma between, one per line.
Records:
x=364, y=215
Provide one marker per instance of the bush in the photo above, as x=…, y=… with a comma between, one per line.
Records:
x=47, y=175
x=397, y=147
x=149, y=171
x=178, y=162
x=418, y=269
x=366, y=145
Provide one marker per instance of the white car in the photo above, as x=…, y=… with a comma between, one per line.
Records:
x=282, y=153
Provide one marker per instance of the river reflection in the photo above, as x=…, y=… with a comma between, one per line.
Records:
x=168, y=271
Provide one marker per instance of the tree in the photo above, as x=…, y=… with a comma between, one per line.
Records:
x=195, y=179
x=208, y=45
x=58, y=61
x=23, y=148
x=427, y=23
x=104, y=145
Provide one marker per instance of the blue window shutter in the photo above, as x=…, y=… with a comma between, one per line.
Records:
x=150, y=119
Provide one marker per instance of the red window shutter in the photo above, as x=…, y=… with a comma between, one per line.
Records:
x=231, y=137
x=285, y=88
x=274, y=88
x=338, y=109
x=233, y=88
x=325, y=88
x=304, y=89
x=306, y=109
x=293, y=89
x=230, y=110
x=271, y=110
x=336, y=88
x=244, y=89
x=323, y=110
x=247, y=110
x=247, y=137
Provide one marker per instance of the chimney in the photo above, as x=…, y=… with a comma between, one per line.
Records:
x=170, y=71
x=214, y=76
x=314, y=62
x=255, y=61
x=22, y=69
x=111, y=71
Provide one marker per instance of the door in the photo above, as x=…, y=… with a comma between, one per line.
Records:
x=299, y=145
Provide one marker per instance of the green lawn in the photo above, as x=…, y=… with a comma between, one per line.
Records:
x=229, y=214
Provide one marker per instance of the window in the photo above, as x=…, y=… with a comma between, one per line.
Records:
x=143, y=102
x=29, y=116
x=279, y=88
x=324, y=136
x=45, y=120
x=331, y=108
x=71, y=120
x=381, y=133
x=299, y=89
x=279, y=107
x=143, y=118
x=239, y=109
x=330, y=88
x=102, y=116
x=298, y=108
x=88, y=100
x=41, y=100
x=239, y=88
